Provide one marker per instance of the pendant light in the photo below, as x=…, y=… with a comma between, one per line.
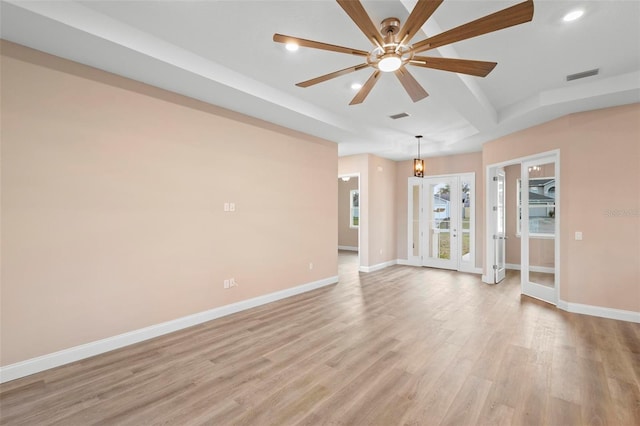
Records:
x=418, y=163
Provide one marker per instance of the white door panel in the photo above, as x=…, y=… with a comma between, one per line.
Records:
x=539, y=195
x=499, y=264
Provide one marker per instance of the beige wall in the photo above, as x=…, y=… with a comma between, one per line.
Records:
x=347, y=236
x=112, y=205
x=377, y=206
x=382, y=210
x=451, y=164
x=599, y=196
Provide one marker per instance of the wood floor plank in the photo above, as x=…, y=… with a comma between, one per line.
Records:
x=468, y=402
x=403, y=345
x=563, y=412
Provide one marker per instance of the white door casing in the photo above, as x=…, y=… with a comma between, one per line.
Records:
x=441, y=222
x=500, y=234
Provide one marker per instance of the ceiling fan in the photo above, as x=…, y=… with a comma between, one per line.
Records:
x=392, y=50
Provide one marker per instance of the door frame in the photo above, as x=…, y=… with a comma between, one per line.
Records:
x=468, y=266
x=357, y=176
x=487, y=276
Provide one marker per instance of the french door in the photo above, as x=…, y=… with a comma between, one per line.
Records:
x=499, y=238
x=539, y=227
x=441, y=222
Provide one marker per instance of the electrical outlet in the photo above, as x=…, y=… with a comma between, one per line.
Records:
x=226, y=207
x=310, y=265
x=227, y=284
x=232, y=207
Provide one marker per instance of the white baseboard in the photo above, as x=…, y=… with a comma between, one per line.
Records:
x=378, y=266
x=488, y=279
x=544, y=269
x=471, y=270
x=599, y=311
x=350, y=248
x=76, y=353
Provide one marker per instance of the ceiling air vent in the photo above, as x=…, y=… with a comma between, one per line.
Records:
x=583, y=74
x=396, y=116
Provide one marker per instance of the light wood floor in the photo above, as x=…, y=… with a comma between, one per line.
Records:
x=403, y=345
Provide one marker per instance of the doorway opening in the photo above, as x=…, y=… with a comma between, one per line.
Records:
x=441, y=231
x=349, y=213
x=523, y=234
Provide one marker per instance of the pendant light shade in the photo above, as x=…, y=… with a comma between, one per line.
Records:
x=418, y=163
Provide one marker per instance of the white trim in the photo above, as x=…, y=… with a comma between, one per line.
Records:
x=378, y=266
x=489, y=228
x=599, y=311
x=76, y=353
x=489, y=225
x=544, y=269
x=350, y=248
x=488, y=279
x=471, y=270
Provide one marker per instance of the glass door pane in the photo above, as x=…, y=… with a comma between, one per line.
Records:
x=442, y=222
x=415, y=223
x=465, y=220
x=538, y=224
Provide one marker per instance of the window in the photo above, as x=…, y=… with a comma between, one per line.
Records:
x=542, y=206
x=354, y=208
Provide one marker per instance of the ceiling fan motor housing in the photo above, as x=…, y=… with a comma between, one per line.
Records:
x=389, y=28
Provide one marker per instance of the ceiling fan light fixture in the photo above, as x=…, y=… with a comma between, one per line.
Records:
x=356, y=86
x=389, y=62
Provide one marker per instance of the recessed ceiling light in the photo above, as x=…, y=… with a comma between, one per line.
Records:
x=572, y=16
x=356, y=86
x=292, y=47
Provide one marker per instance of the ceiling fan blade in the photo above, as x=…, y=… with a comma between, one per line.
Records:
x=514, y=15
x=356, y=12
x=331, y=75
x=413, y=88
x=279, y=38
x=463, y=66
x=362, y=94
x=419, y=15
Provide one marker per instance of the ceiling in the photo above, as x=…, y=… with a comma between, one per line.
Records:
x=222, y=52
